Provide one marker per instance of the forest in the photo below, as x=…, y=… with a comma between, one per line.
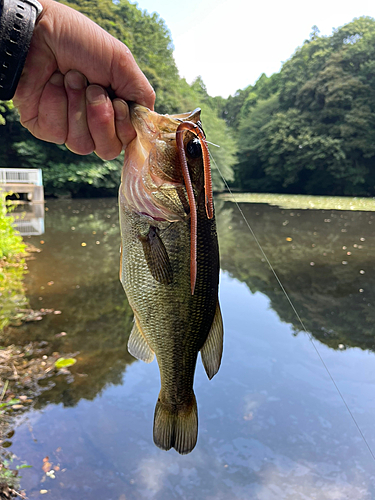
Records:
x=309, y=129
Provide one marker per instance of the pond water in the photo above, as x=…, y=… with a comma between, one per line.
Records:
x=272, y=425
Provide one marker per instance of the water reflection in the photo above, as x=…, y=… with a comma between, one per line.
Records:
x=272, y=426
x=324, y=259
x=76, y=273
x=29, y=219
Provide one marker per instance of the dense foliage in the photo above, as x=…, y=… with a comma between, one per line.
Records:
x=150, y=42
x=311, y=127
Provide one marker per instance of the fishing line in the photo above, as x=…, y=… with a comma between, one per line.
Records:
x=212, y=144
x=309, y=335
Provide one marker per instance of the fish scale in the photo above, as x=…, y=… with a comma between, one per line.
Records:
x=170, y=322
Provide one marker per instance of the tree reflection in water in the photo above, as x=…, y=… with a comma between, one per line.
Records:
x=82, y=282
x=324, y=259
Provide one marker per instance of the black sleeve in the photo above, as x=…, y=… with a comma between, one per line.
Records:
x=17, y=21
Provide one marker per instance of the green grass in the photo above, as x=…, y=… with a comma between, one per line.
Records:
x=12, y=266
x=299, y=201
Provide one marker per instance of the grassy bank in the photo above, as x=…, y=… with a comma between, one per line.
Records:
x=24, y=365
x=12, y=267
x=304, y=202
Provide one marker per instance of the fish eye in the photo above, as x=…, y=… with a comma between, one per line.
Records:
x=193, y=148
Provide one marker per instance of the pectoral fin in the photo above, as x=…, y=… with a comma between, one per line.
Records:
x=138, y=346
x=213, y=347
x=157, y=257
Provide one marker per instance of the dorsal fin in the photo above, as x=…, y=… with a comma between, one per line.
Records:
x=192, y=116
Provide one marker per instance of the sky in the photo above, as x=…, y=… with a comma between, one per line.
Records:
x=230, y=43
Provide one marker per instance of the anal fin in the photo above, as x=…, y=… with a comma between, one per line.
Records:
x=212, y=349
x=138, y=346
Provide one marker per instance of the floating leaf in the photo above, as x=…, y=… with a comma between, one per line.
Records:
x=23, y=466
x=61, y=334
x=47, y=466
x=10, y=403
x=65, y=362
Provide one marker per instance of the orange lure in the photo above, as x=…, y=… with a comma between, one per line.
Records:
x=190, y=193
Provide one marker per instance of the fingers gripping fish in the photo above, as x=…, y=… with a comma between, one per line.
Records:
x=170, y=263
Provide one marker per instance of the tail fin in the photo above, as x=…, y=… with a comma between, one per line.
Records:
x=176, y=427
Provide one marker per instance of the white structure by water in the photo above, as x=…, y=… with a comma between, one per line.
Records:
x=30, y=220
x=23, y=180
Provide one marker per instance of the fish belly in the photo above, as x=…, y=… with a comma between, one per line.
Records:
x=173, y=322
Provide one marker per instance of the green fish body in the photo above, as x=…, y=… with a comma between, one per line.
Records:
x=169, y=321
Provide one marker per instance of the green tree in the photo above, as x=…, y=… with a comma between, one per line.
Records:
x=147, y=37
x=318, y=136
x=248, y=170
x=5, y=106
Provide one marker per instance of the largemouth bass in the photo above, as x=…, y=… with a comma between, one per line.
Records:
x=172, y=289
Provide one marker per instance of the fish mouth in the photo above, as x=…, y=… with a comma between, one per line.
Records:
x=143, y=120
x=148, y=123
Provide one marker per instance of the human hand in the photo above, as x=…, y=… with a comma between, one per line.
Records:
x=54, y=98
